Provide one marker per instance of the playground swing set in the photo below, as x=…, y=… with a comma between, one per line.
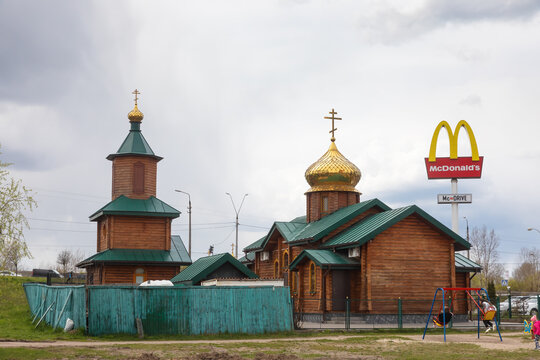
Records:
x=444, y=315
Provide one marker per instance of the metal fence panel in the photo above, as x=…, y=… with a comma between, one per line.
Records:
x=62, y=302
x=188, y=310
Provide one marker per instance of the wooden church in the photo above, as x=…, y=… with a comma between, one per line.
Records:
x=365, y=251
x=134, y=240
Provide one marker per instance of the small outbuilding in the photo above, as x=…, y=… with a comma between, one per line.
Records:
x=221, y=266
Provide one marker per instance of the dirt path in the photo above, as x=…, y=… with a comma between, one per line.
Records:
x=90, y=343
x=511, y=341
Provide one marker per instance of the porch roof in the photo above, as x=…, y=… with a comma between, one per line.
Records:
x=325, y=259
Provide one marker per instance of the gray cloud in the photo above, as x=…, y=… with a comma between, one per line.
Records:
x=392, y=26
x=47, y=43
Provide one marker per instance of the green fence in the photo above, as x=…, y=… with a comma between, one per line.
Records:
x=188, y=310
x=55, y=304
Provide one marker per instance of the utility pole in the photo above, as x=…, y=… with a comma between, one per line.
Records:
x=468, y=257
x=237, y=212
x=189, y=213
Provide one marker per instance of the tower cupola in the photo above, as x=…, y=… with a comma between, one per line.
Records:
x=332, y=179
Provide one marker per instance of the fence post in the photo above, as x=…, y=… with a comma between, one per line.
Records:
x=509, y=306
x=347, y=313
x=400, y=316
x=538, y=304
x=498, y=310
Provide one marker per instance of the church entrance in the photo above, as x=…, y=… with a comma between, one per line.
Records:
x=341, y=289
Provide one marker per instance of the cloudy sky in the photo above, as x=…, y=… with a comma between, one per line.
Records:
x=234, y=94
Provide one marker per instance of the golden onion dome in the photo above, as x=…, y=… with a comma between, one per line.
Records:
x=135, y=115
x=333, y=172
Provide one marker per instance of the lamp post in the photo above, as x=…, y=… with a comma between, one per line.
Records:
x=531, y=229
x=189, y=212
x=468, y=257
x=237, y=212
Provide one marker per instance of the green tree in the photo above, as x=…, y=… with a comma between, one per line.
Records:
x=15, y=199
x=491, y=291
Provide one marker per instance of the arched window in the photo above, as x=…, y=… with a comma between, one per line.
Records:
x=312, y=278
x=324, y=204
x=138, y=178
x=139, y=276
x=285, y=259
x=276, y=269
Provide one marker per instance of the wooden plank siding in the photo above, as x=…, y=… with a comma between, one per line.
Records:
x=123, y=171
x=124, y=274
x=139, y=232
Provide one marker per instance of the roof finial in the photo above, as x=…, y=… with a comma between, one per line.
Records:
x=135, y=116
x=136, y=92
x=332, y=118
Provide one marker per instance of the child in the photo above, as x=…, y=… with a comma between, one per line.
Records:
x=486, y=306
x=536, y=332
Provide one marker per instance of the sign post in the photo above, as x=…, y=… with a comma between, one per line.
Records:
x=454, y=167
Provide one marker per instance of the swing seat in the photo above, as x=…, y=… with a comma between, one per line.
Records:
x=489, y=315
x=437, y=323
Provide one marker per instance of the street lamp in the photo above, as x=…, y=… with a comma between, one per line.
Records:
x=189, y=212
x=237, y=212
x=468, y=257
x=531, y=229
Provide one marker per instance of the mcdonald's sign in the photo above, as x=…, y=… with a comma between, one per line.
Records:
x=453, y=166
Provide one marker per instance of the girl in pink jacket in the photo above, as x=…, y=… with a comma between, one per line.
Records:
x=536, y=332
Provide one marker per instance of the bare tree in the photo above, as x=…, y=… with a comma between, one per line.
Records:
x=526, y=275
x=484, y=252
x=12, y=254
x=64, y=259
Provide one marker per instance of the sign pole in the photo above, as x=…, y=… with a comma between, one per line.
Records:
x=455, y=217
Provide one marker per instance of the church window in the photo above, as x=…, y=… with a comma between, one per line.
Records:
x=285, y=259
x=276, y=269
x=312, y=278
x=139, y=276
x=294, y=282
x=138, y=178
x=324, y=204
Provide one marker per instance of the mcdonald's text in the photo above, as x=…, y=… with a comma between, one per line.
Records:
x=447, y=168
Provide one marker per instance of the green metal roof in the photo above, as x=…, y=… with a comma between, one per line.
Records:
x=256, y=245
x=123, y=205
x=177, y=255
x=248, y=258
x=204, y=266
x=318, y=229
x=298, y=231
x=134, y=144
x=466, y=265
x=325, y=259
x=371, y=226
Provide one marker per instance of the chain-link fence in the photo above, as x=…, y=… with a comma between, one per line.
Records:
x=389, y=313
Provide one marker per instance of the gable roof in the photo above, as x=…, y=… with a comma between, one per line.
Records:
x=366, y=229
x=204, y=266
x=325, y=259
x=176, y=256
x=298, y=231
x=123, y=205
x=466, y=265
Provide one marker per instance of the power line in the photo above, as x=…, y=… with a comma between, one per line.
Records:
x=64, y=230
x=63, y=221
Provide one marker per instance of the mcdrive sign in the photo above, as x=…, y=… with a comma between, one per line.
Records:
x=453, y=166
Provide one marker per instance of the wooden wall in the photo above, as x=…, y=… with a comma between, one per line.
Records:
x=124, y=274
x=123, y=176
x=134, y=232
x=336, y=201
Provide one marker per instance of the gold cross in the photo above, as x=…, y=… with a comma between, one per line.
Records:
x=332, y=118
x=136, y=92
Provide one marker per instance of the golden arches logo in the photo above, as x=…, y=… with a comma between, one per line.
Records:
x=453, y=137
